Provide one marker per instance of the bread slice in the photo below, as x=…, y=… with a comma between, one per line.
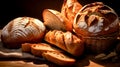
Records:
x=38, y=49
x=53, y=19
x=26, y=47
x=58, y=58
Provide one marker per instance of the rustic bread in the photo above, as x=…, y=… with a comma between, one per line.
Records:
x=58, y=58
x=69, y=10
x=66, y=41
x=53, y=19
x=38, y=49
x=21, y=30
x=98, y=25
x=48, y=52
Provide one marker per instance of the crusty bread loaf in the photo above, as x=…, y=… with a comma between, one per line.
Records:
x=38, y=49
x=98, y=25
x=96, y=19
x=66, y=41
x=58, y=58
x=68, y=11
x=22, y=30
x=53, y=19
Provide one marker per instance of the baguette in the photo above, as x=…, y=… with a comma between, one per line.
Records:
x=58, y=58
x=66, y=41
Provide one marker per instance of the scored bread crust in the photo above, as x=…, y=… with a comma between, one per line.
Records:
x=96, y=19
x=98, y=25
x=69, y=42
x=21, y=30
x=69, y=10
x=58, y=58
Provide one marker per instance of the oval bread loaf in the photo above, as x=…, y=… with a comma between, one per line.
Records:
x=66, y=41
x=21, y=30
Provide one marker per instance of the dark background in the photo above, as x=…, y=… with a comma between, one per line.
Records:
x=10, y=9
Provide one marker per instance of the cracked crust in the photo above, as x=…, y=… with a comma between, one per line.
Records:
x=66, y=41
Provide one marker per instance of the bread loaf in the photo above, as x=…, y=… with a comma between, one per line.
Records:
x=21, y=30
x=66, y=41
x=98, y=25
x=53, y=20
x=69, y=10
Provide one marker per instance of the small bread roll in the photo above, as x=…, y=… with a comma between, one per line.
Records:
x=58, y=58
x=21, y=30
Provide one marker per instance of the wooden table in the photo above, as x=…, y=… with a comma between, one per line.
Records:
x=87, y=60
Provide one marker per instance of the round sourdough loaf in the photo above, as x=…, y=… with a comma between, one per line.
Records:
x=98, y=25
x=21, y=30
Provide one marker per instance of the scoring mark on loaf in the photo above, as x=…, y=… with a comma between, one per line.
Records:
x=22, y=29
x=10, y=26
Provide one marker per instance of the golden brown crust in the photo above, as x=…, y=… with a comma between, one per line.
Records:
x=38, y=49
x=58, y=58
x=59, y=39
x=96, y=19
x=77, y=46
x=67, y=42
x=51, y=54
x=98, y=25
x=68, y=11
x=26, y=47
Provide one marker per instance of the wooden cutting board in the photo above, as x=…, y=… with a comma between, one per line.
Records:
x=87, y=60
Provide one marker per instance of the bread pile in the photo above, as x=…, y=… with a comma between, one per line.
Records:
x=49, y=52
x=94, y=26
